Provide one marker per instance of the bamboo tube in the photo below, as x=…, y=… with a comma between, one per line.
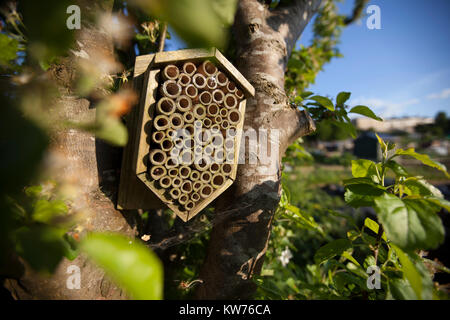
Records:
x=158, y=157
x=222, y=79
x=170, y=133
x=167, y=144
x=183, y=199
x=176, y=121
x=214, y=167
x=206, y=191
x=197, y=185
x=189, y=130
x=173, y=172
x=184, y=172
x=239, y=94
x=212, y=110
x=211, y=83
x=230, y=101
x=202, y=164
x=230, y=157
x=199, y=111
x=189, y=205
x=165, y=182
x=223, y=113
x=207, y=123
x=189, y=68
x=234, y=116
x=165, y=106
x=161, y=122
x=178, y=143
x=184, y=79
x=205, y=177
x=231, y=133
x=202, y=137
x=219, y=156
x=188, y=117
x=186, y=157
x=188, y=143
x=205, y=98
x=217, y=140
x=190, y=90
x=186, y=186
x=207, y=69
x=183, y=103
x=198, y=124
x=172, y=162
x=218, y=96
x=170, y=72
x=195, y=197
x=230, y=87
x=199, y=81
x=175, y=193
x=225, y=124
x=225, y=169
x=156, y=172
x=195, y=175
x=170, y=89
x=208, y=150
x=158, y=136
x=176, y=182
x=215, y=128
x=218, y=120
x=218, y=180
x=229, y=144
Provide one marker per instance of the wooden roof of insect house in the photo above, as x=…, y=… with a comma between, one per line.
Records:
x=181, y=90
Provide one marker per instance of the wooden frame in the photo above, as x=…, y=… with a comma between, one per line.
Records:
x=136, y=189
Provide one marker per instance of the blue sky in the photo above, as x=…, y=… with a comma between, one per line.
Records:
x=403, y=69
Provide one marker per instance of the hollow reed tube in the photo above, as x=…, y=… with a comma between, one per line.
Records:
x=161, y=122
x=183, y=103
x=156, y=172
x=158, y=157
x=230, y=101
x=189, y=68
x=170, y=72
x=170, y=89
x=207, y=69
x=217, y=180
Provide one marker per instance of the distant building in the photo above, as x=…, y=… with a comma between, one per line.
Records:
x=366, y=146
x=406, y=124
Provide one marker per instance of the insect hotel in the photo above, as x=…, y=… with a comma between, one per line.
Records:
x=185, y=133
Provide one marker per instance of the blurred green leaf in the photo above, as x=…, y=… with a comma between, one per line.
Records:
x=425, y=159
x=365, y=111
x=332, y=249
x=130, y=264
x=342, y=97
x=42, y=246
x=8, y=50
x=372, y=225
x=45, y=211
x=410, y=224
x=323, y=101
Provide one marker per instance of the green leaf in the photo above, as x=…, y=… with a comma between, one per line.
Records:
x=347, y=127
x=372, y=225
x=8, y=49
x=425, y=159
x=416, y=273
x=324, y=102
x=416, y=186
x=410, y=224
x=45, y=211
x=362, y=194
x=130, y=264
x=306, y=94
x=42, y=246
x=342, y=98
x=332, y=249
x=365, y=169
x=398, y=169
x=365, y=111
x=303, y=218
x=439, y=201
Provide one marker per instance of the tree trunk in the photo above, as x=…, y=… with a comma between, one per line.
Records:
x=264, y=41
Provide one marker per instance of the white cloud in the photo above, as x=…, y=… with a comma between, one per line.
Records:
x=384, y=108
x=444, y=94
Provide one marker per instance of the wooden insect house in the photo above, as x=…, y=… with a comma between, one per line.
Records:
x=185, y=133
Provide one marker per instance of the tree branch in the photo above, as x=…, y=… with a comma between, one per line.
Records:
x=357, y=11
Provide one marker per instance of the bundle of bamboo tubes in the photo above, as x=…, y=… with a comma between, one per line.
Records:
x=192, y=140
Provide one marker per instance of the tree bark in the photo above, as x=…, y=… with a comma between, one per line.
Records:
x=264, y=41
